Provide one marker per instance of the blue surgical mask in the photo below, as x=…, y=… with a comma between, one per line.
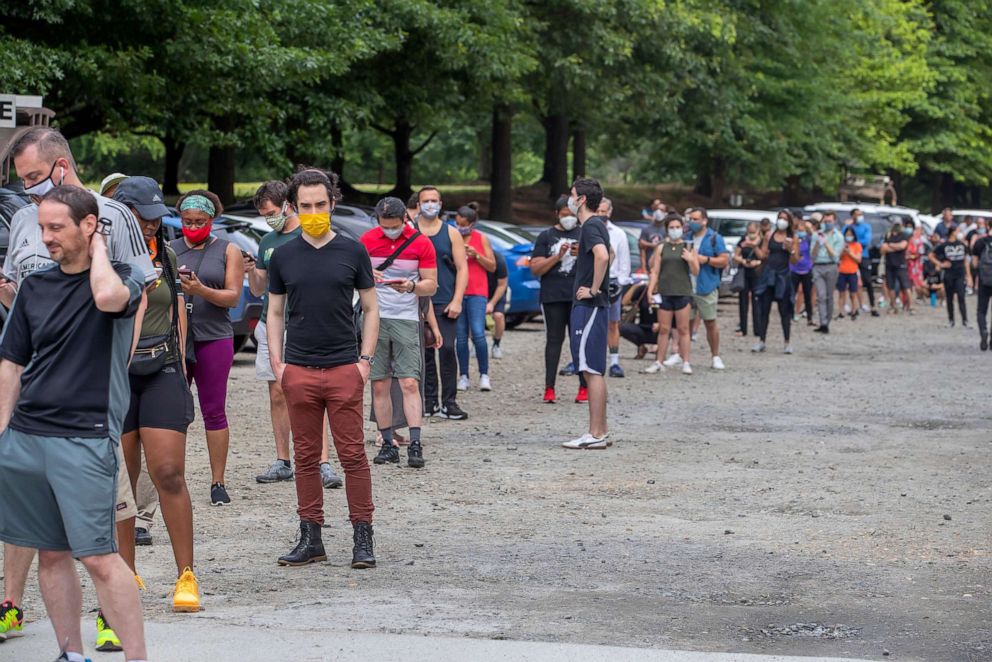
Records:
x=430, y=209
x=695, y=227
x=802, y=234
x=392, y=233
x=828, y=227
x=45, y=185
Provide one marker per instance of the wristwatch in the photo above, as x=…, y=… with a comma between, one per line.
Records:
x=365, y=357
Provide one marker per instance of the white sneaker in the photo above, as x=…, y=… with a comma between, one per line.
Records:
x=718, y=363
x=694, y=336
x=463, y=383
x=672, y=361
x=758, y=347
x=654, y=368
x=686, y=369
x=497, y=352
x=588, y=442
x=788, y=349
x=484, y=384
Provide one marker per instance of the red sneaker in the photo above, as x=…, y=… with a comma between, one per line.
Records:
x=549, y=395
x=582, y=395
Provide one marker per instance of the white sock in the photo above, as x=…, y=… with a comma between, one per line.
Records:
x=615, y=359
x=75, y=657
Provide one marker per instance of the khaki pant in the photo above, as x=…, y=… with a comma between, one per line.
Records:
x=146, y=497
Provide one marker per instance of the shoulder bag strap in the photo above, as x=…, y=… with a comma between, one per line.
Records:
x=388, y=262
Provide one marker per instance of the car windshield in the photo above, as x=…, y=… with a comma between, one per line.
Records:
x=732, y=227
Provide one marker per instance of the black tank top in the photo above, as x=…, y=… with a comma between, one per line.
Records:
x=445, y=267
x=778, y=256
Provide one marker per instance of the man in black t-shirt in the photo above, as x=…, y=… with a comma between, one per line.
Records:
x=63, y=396
x=315, y=276
x=589, y=321
x=897, y=281
x=951, y=257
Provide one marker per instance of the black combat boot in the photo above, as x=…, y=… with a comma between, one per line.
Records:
x=309, y=549
x=361, y=554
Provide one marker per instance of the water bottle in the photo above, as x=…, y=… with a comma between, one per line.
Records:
x=933, y=299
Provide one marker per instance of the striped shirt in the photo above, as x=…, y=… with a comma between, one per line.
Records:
x=419, y=254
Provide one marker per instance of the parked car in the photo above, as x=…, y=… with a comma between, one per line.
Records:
x=350, y=220
x=524, y=289
x=245, y=316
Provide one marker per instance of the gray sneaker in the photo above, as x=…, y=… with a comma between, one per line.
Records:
x=277, y=471
x=327, y=476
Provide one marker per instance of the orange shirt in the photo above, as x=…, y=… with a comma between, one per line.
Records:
x=848, y=264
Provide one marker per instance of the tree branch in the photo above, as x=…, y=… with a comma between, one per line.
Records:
x=424, y=144
x=379, y=127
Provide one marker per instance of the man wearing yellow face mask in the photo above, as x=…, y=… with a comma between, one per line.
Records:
x=322, y=368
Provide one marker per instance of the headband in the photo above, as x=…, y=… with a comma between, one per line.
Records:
x=200, y=203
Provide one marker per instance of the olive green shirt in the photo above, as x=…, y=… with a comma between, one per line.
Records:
x=675, y=280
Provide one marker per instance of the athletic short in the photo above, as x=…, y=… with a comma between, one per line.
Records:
x=673, y=303
x=615, y=310
x=847, y=282
x=706, y=304
x=898, y=280
x=500, y=306
x=263, y=369
x=588, y=340
x=58, y=493
x=162, y=401
x=398, y=352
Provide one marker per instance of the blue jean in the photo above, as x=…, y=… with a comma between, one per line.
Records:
x=473, y=318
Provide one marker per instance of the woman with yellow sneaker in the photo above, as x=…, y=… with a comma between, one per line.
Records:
x=161, y=403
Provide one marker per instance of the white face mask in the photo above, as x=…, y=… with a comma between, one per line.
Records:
x=568, y=222
x=392, y=233
x=782, y=224
x=45, y=185
x=430, y=209
x=675, y=234
x=573, y=205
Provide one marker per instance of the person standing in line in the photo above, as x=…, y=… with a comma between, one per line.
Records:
x=848, y=272
x=802, y=270
x=826, y=246
x=499, y=280
x=472, y=323
x=893, y=251
x=916, y=256
x=452, y=279
x=673, y=265
x=620, y=280
x=652, y=235
x=211, y=274
x=42, y=159
x=404, y=267
x=321, y=370
x=590, y=310
x=58, y=468
x=746, y=258
x=951, y=257
x=553, y=262
x=981, y=267
x=864, y=233
x=713, y=257
x=779, y=249
x=647, y=214
x=271, y=203
x=161, y=405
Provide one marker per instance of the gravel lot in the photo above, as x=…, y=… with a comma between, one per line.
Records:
x=835, y=502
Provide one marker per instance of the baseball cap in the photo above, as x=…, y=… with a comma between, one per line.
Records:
x=110, y=180
x=144, y=194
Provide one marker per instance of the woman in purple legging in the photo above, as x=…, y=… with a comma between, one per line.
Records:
x=211, y=272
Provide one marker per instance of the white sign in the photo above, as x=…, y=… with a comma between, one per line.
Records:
x=8, y=111
x=9, y=104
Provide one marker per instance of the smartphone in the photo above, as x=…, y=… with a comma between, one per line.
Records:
x=185, y=271
x=391, y=281
x=246, y=254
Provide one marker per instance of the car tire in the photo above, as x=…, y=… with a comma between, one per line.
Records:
x=513, y=321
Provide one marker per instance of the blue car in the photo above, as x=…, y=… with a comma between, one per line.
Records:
x=245, y=316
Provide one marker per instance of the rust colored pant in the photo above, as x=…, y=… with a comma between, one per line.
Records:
x=339, y=391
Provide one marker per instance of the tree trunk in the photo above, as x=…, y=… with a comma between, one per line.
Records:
x=947, y=189
x=404, y=159
x=718, y=179
x=173, y=154
x=546, y=175
x=501, y=189
x=220, y=164
x=578, y=152
x=486, y=154
x=337, y=143
x=790, y=191
x=558, y=127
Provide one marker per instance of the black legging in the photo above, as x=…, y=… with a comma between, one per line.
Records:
x=866, y=279
x=784, y=312
x=806, y=280
x=744, y=302
x=557, y=320
x=954, y=285
x=984, y=297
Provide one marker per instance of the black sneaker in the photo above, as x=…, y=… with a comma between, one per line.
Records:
x=985, y=342
x=388, y=453
x=568, y=371
x=141, y=536
x=414, y=455
x=452, y=412
x=432, y=410
x=218, y=495
x=361, y=554
x=874, y=313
